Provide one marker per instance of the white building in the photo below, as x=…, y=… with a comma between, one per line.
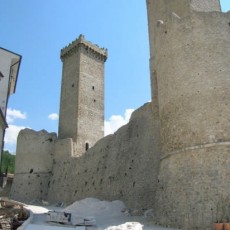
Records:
x=9, y=68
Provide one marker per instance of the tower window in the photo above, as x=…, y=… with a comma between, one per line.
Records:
x=92, y=87
x=86, y=146
x=1, y=75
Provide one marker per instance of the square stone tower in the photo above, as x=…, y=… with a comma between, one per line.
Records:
x=81, y=114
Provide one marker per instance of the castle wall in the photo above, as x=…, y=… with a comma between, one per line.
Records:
x=160, y=12
x=192, y=71
x=121, y=166
x=33, y=166
x=193, y=81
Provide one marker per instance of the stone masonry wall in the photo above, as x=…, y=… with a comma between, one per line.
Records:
x=193, y=80
x=70, y=82
x=205, y=5
x=90, y=102
x=121, y=166
x=160, y=12
x=33, y=166
x=192, y=69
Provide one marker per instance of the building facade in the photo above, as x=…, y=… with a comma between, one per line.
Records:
x=9, y=69
x=3, y=126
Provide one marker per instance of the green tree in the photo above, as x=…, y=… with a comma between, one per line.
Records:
x=8, y=160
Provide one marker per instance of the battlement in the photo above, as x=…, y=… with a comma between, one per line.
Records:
x=90, y=48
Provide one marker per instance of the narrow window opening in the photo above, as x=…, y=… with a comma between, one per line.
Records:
x=1, y=75
x=93, y=88
x=86, y=146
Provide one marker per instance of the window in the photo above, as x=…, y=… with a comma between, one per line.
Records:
x=1, y=75
x=86, y=146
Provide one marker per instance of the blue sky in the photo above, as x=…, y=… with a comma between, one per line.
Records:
x=38, y=30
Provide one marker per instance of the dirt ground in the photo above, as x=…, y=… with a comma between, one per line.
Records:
x=12, y=215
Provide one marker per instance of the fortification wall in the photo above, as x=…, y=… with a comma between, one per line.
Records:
x=162, y=11
x=193, y=80
x=192, y=69
x=121, y=166
x=33, y=166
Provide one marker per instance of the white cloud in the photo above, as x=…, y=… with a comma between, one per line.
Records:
x=53, y=116
x=128, y=113
x=13, y=114
x=12, y=134
x=111, y=125
x=12, y=131
x=116, y=121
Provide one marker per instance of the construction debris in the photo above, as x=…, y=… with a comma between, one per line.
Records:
x=12, y=214
x=70, y=219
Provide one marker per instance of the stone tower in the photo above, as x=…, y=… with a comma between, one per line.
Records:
x=82, y=94
x=189, y=42
x=163, y=10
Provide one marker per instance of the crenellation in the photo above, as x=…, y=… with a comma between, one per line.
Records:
x=93, y=50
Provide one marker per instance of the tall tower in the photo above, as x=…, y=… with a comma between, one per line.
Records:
x=81, y=114
x=163, y=10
